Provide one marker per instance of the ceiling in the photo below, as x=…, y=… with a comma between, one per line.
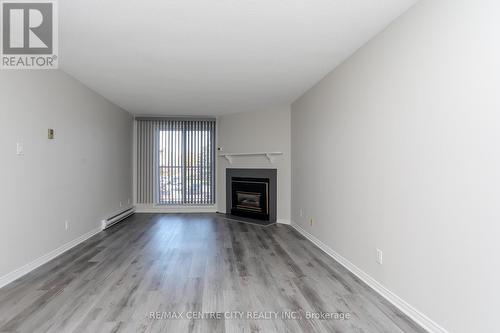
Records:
x=202, y=57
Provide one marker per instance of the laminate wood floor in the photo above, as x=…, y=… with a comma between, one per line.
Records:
x=195, y=273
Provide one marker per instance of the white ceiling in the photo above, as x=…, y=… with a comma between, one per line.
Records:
x=211, y=57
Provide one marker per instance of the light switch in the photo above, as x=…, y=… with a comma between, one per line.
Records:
x=19, y=149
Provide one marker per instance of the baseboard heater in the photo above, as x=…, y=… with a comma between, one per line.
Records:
x=117, y=218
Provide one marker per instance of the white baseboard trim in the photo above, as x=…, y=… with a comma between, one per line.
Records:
x=283, y=221
x=159, y=209
x=402, y=305
x=14, y=275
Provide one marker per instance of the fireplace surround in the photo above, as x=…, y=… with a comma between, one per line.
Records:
x=252, y=194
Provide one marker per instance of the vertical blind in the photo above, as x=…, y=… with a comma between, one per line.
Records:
x=176, y=162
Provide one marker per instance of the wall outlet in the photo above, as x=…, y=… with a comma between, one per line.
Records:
x=66, y=225
x=121, y=204
x=380, y=257
x=128, y=201
x=301, y=212
x=311, y=221
x=19, y=149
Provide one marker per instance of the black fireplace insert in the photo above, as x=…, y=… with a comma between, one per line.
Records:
x=250, y=197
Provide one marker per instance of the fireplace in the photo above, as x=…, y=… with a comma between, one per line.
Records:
x=251, y=194
x=250, y=197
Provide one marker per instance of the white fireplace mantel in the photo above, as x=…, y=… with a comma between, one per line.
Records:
x=270, y=155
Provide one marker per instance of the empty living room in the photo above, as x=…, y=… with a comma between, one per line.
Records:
x=250, y=166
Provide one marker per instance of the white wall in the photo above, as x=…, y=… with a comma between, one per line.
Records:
x=262, y=131
x=81, y=176
x=399, y=149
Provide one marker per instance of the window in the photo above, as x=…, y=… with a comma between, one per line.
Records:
x=176, y=162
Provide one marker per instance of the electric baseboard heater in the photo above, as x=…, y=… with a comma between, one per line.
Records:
x=105, y=224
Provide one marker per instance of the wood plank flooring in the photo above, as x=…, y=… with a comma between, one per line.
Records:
x=140, y=274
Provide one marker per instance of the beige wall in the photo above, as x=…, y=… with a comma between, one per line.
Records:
x=81, y=176
x=263, y=131
x=399, y=149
